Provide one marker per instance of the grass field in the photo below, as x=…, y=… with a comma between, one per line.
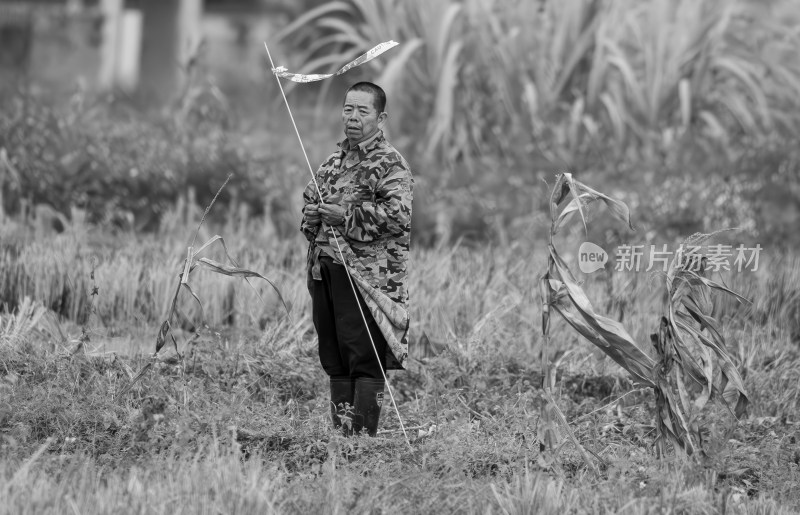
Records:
x=662, y=104
x=240, y=425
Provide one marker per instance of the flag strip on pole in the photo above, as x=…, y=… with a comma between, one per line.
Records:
x=371, y=54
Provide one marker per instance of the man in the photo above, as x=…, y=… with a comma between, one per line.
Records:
x=359, y=234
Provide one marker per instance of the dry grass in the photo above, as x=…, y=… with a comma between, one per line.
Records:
x=243, y=423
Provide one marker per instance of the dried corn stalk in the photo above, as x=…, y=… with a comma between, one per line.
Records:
x=687, y=333
x=191, y=262
x=685, y=330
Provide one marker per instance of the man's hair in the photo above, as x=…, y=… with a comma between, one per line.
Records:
x=378, y=95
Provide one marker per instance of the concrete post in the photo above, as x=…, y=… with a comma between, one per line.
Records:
x=129, y=50
x=171, y=33
x=112, y=14
x=148, y=47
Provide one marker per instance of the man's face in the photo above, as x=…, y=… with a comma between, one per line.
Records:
x=359, y=116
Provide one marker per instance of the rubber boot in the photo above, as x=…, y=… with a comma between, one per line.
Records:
x=341, y=401
x=368, y=402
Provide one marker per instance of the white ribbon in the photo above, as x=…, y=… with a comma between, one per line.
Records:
x=371, y=54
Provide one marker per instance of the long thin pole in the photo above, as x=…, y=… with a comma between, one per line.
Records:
x=341, y=254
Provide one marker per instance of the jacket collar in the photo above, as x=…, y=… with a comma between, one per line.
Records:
x=366, y=146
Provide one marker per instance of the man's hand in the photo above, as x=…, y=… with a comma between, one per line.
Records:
x=311, y=212
x=332, y=214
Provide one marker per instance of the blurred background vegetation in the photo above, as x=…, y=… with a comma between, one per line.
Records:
x=685, y=109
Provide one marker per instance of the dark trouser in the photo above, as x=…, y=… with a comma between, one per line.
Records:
x=344, y=345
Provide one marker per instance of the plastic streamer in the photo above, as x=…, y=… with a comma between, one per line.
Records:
x=371, y=54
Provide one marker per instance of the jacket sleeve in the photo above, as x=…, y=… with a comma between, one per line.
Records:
x=389, y=214
x=309, y=197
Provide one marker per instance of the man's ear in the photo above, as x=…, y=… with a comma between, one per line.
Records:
x=382, y=118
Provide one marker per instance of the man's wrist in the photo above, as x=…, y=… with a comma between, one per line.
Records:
x=343, y=217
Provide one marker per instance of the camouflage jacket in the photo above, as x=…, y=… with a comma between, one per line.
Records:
x=374, y=184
